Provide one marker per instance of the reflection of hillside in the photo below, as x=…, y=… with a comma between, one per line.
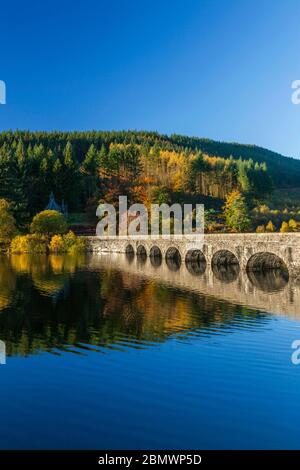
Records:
x=7, y=283
x=101, y=307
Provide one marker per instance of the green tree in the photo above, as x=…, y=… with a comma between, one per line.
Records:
x=236, y=212
x=69, y=177
x=7, y=222
x=195, y=168
x=89, y=169
x=12, y=186
x=48, y=223
x=20, y=154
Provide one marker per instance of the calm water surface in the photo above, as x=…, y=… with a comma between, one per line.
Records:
x=113, y=352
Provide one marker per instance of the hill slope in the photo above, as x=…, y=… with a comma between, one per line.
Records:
x=285, y=171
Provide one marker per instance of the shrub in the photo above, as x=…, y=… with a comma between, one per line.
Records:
x=293, y=225
x=48, y=223
x=57, y=244
x=35, y=243
x=260, y=229
x=29, y=244
x=70, y=239
x=264, y=209
x=284, y=227
x=80, y=245
x=20, y=244
x=270, y=227
x=68, y=243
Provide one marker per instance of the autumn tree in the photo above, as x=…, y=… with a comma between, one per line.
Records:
x=260, y=229
x=236, y=212
x=293, y=225
x=270, y=227
x=284, y=227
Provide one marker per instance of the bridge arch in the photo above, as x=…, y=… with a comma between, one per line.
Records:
x=155, y=252
x=195, y=255
x=224, y=258
x=173, y=258
x=141, y=251
x=264, y=261
x=173, y=253
x=195, y=262
x=225, y=266
x=155, y=256
x=267, y=271
x=129, y=250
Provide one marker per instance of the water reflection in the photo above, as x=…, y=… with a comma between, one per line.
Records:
x=129, y=256
x=174, y=264
x=270, y=280
x=196, y=267
x=226, y=272
x=156, y=261
x=54, y=302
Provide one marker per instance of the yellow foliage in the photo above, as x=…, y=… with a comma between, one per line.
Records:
x=270, y=227
x=68, y=243
x=293, y=225
x=284, y=227
x=35, y=243
x=57, y=244
x=29, y=244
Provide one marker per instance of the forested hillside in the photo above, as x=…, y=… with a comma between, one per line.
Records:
x=83, y=168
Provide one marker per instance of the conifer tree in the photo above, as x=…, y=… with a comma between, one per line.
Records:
x=236, y=212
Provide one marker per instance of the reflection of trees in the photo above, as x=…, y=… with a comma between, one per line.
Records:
x=7, y=282
x=97, y=308
x=48, y=273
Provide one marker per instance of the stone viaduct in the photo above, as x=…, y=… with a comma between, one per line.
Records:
x=249, y=251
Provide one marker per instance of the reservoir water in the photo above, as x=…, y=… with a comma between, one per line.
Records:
x=109, y=351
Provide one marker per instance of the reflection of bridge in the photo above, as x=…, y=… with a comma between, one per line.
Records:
x=250, y=251
x=269, y=293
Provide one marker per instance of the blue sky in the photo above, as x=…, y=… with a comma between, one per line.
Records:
x=217, y=69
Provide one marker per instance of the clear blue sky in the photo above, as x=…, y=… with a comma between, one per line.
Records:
x=217, y=69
